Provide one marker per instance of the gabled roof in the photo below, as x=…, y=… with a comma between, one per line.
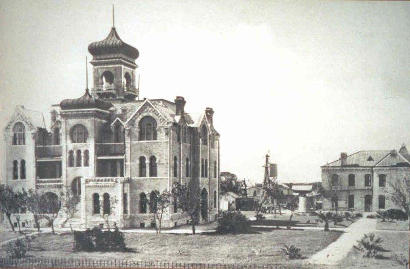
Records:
x=34, y=119
x=393, y=159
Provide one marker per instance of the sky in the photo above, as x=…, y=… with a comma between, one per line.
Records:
x=302, y=80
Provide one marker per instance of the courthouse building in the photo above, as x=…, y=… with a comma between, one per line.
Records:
x=115, y=150
x=360, y=181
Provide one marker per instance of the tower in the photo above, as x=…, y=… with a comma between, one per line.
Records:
x=114, y=68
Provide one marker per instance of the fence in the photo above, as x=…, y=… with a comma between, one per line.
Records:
x=88, y=263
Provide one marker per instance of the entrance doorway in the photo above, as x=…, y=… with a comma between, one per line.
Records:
x=368, y=203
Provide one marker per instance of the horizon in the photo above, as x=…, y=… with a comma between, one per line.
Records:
x=303, y=81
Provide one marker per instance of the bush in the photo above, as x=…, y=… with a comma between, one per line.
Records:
x=98, y=240
x=396, y=214
x=358, y=215
x=400, y=259
x=291, y=252
x=372, y=216
x=348, y=215
x=370, y=245
x=259, y=217
x=18, y=248
x=382, y=214
x=232, y=222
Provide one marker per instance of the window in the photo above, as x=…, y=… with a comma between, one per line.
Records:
x=175, y=166
x=184, y=135
x=19, y=134
x=107, y=79
x=143, y=203
x=153, y=166
x=76, y=186
x=351, y=180
x=86, y=158
x=147, y=129
x=78, y=158
x=204, y=135
x=106, y=204
x=382, y=180
x=142, y=167
x=367, y=180
x=351, y=201
x=335, y=180
x=153, y=202
x=202, y=168
x=96, y=203
x=187, y=165
x=125, y=203
x=215, y=170
x=215, y=199
x=254, y=193
x=118, y=134
x=127, y=78
x=56, y=136
x=70, y=158
x=79, y=134
x=382, y=201
x=178, y=133
x=22, y=169
x=206, y=168
x=15, y=169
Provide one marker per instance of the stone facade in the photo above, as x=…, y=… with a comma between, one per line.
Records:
x=115, y=150
x=360, y=181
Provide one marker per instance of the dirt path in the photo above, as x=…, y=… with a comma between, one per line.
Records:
x=336, y=251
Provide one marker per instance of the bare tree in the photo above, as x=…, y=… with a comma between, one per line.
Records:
x=162, y=201
x=188, y=201
x=69, y=206
x=50, y=206
x=34, y=204
x=8, y=203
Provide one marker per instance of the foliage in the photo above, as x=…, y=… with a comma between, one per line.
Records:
x=399, y=194
x=163, y=200
x=370, y=245
x=292, y=252
x=69, y=205
x=18, y=248
x=233, y=222
x=371, y=216
x=230, y=183
x=8, y=203
x=396, y=214
x=98, y=240
x=400, y=259
x=259, y=217
x=382, y=215
x=358, y=215
x=188, y=201
x=292, y=205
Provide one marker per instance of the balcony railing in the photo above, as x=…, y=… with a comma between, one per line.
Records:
x=110, y=149
x=111, y=89
x=51, y=151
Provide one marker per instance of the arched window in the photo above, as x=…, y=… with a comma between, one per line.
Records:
x=254, y=193
x=96, y=203
x=142, y=167
x=215, y=170
x=143, y=203
x=206, y=168
x=107, y=79
x=367, y=180
x=86, y=158
x=184, y=134
x=204, y=204
x=382, y=201
x=19, y=134
x=202, y=167
x=106, y=204
x=175, y=166
x=187, y=167
x=118, y=133
x=215, y=199
x=147, y=128
x=70, y=158
x=15, y=169
x=351, y=180
x=178, y=133
x=382, y=180
x=78, y=158
x=153, y=202
x=127, y=78
x=153, y=166
x=335, y=180
x=204, y=135
x=23, y=169
x=76, y=186
x=56, y=136
x=79, y=134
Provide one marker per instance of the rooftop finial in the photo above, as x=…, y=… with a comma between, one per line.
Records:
x=86, y=73
x=113, y=17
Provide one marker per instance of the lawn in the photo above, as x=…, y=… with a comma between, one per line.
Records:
x=398, y=225
x=393, y=243
x=259, y=247
x=7, y=235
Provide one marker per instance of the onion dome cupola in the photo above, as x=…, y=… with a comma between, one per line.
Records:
x=114, y=68
x=85, y=102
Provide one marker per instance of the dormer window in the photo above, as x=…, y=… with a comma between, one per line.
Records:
x=370, y=159
x=19, y=134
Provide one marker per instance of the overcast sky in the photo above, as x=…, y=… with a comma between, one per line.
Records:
x=302, y=80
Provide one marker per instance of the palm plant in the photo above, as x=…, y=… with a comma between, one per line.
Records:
x=370, y=245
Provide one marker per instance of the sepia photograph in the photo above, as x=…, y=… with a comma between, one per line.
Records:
x=246, y=134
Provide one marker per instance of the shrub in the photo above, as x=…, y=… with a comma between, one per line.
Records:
x=396, y=214
x=358, y=215
x=98, y=240
x=400, y=259
x=259, y=216
x=348, y=215
x=382, y=215
x=292, y=252
x=372, y=216
x=18, y=248
x=232, y=222
x=370, y=245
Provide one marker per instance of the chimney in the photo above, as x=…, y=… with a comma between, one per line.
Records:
x=209, y=112
x=343, y=158
x=180, y=104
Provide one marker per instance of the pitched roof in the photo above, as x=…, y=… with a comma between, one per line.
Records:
x=35, y=117
x=393, y=159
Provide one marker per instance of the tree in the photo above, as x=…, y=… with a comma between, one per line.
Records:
x=330, y=194
x=292, y=205
x=69, y=206
x=50, y=206
x=229, y=183
x=326, y=217
x=8, y=203
x=163, y=200
x=188, y=201
x=399, y=194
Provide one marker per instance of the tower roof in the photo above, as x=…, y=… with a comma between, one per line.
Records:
x=112, y=45
x=85, y=101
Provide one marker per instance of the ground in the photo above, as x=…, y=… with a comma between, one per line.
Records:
x=397, y=225
x=259, y=247
x=393, y=242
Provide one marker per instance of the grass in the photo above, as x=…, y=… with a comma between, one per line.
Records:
x=398, y=225
x=393, y=243
x=259, y=247
x=7, y=235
